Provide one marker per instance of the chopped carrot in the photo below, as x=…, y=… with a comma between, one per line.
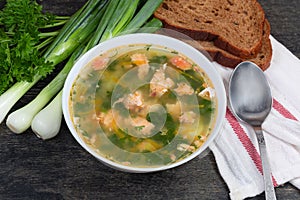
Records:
x=181, y=63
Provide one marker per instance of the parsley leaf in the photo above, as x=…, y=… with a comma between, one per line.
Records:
x=21, y=22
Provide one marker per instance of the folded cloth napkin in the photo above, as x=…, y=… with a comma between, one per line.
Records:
x=236, y=148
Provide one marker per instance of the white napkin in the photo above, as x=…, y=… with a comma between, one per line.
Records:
x=236, y=149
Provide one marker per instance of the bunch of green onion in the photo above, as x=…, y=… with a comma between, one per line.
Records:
x=95, y=22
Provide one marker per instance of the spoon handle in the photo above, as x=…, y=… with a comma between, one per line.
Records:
x=269, y=188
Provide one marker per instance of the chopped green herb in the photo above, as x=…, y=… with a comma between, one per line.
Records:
x=139, y=128
x=147, y=47
x=159, y=59
x=112, y=66
x=169, y=130
x=106, y=105
x=21, y=41
x=108, y=94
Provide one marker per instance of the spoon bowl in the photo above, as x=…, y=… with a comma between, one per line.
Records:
x=251, y=102
x=250, y=94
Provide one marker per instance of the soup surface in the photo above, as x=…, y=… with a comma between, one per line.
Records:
x=143, y=105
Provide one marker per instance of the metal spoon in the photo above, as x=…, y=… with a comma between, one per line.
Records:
x=251, y=101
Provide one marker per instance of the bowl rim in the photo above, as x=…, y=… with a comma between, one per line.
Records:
x=156, y=40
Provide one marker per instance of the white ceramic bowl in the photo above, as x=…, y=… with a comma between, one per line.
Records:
x=151, y=39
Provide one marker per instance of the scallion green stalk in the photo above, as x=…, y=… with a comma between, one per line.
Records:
x=58, y=22
x=79, y=33
x=150, y=27
x=142, y=16
x=127, y=16
x=116, y=18
x=75, y=21
x=109, y=10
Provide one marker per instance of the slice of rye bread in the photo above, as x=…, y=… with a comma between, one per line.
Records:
x=262, y=59
x=233, y=25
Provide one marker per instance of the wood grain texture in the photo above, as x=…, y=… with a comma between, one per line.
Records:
x=60, y=169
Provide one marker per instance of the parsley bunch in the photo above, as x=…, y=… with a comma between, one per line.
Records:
x=21, y=22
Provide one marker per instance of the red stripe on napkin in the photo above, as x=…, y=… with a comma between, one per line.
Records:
x=282, y=110
x=245, y=140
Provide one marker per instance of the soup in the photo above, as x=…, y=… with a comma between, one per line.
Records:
x=143, y=105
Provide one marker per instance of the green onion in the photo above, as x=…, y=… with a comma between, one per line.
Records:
x=80, y=26
x=24, y=35
x=75, y=21
x=126, y=17
x=12, y=95
x=142, y=16
x=79, y=32
x=117, y=19
x=109, y=10
x=117, y=15
x=46, y=123
x=150, y=27
x=21, y=119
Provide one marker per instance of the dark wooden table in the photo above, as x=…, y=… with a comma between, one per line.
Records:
x=60, y=169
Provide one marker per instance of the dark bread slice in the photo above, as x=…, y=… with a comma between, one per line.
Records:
x=262, y=59
x=233, y=25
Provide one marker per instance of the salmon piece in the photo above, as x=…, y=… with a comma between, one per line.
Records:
x=142, y=62
x=134, y=101
x=139, y=59
x=172, y=157
x=184, y=89
x=142, y=126
x=107, y=119
x=143, y=70
x=100, y=62
x=181, y=63
x=159, y=84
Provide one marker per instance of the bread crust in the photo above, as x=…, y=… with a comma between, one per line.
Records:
x=226, y=59
x=262, y=58
x=218, y=39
